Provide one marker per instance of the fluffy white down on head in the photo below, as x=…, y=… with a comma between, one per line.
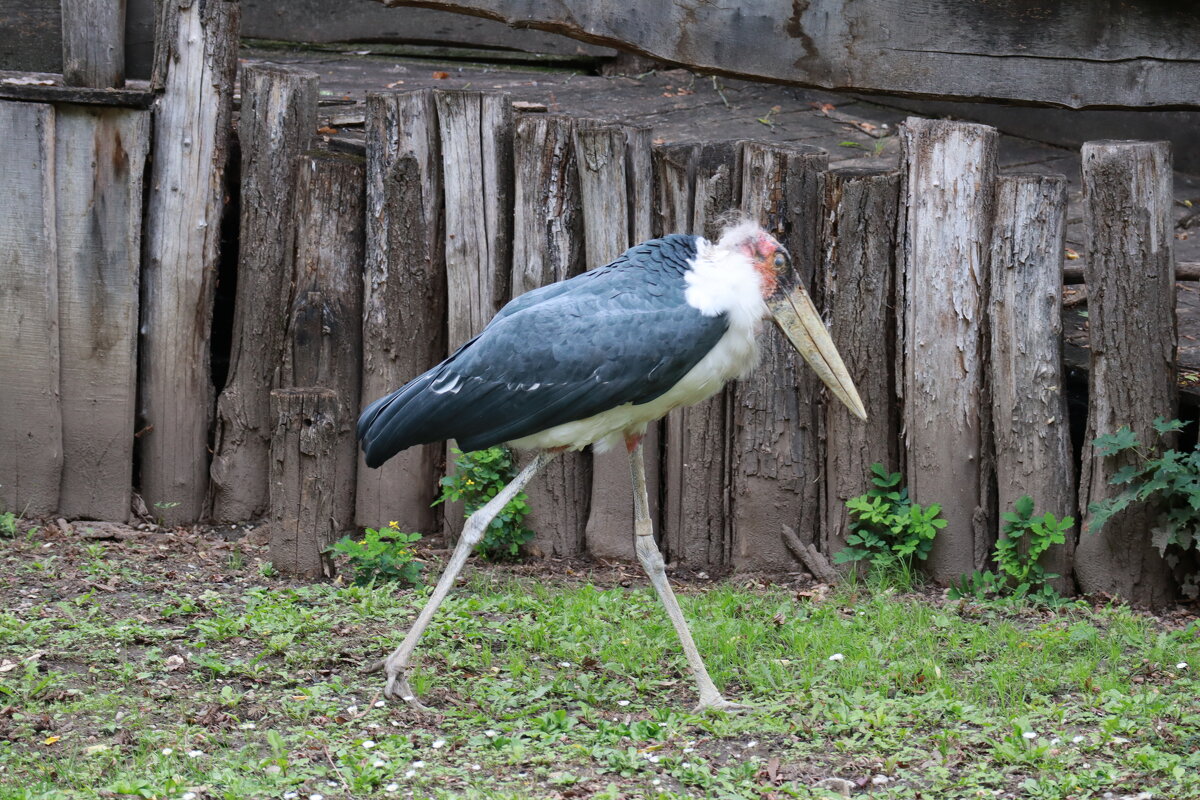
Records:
x=723, y=280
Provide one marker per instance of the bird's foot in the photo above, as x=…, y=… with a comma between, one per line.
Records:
x=397, y=687
x=719, y=703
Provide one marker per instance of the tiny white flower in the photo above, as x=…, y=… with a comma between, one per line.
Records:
x=1076, y=739
x=418, y=764
x=368, y=744
x=491, y=734
x=656, y=782
x=166, y=751
x=316, y=796
x=564, y=664
x=750, y=744
x=372, y=725
x=1029, y=735
x=475, y=766
x=1181, y=665
x=195, y=753
x=391, y=787
x=380, y=704
x=837, y=657
x=689, y=749
x=654, y=759
x=351, y=709
x=438, y=744
x=379, y=762
x=247, y=726
x=188, y=796
x=332, y=784
x=290, y=795
x=622, y=702
x=410, y=773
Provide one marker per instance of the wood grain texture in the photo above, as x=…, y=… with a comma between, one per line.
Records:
x=548, y=247
x=303, y=480
x=1131, y=54
x=100, y=156
x=323, y=344
x=775, y=447
x=31, y=36
x=31, y=441
x=93, y=43
x=696, y=527
x=858, y=239
x=949, y=187
x=1131, y=321
x=278, y=117
x=182, y=236
x=1029, y=400
x=404, y=302
x=614, y=176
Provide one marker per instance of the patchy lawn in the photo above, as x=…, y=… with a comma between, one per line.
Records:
x=172, y=665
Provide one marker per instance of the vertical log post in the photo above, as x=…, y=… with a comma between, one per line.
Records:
x=196, y=64
x=614, y=184
x=858, y=234
x=93, y=43
x=674, y=172
x=949, y=198
x=279, y=110
x=696, y=463
x=31, y=436
x=548, y=247
x=323, y=344
x=101, y=156
x=1029, y=400
x=476, y=131
x=775, y=454
x=303, y=480
x=404, y=303
x=1131, y=321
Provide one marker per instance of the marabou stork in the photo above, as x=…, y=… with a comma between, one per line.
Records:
x=592, y=360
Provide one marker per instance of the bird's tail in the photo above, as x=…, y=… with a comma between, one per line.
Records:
x=385, y=429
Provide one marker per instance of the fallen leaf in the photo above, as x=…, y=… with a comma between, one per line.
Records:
x=394, y=84
x=326, y=130
x=51, y=739
x=441, y=76
x=7, y=666
x=824, y=108
x=1071, y=254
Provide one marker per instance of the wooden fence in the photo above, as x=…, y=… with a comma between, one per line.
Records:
x=941, y=281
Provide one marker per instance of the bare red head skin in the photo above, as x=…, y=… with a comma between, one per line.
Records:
x=770, y=260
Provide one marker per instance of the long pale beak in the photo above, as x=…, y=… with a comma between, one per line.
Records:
x=796, y=316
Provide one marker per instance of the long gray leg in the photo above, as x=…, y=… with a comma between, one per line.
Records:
x=397, y=664
x=652, y=561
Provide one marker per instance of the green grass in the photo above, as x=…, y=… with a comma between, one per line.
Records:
x=139, y=671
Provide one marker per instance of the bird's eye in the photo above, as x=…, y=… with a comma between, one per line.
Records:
x=780, y=261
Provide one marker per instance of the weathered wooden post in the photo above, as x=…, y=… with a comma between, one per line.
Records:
x=614, y=189
x=93, y=43
x=477, y=171
x=323, y=343
x=1029, y=400
x=858, y=237
x=100, y=156
x=948, y=193
x=31, y=441
x=196, y=61
x=695, y=525
x=1131, y=322
x=775, y=454
x=404, y=303
x=303, y=480
x=278, y=117
x=548, y=247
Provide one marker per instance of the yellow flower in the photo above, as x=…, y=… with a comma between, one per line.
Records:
x=394, y=525
x=470, y=482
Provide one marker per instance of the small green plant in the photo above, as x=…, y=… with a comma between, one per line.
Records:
x=8, y=524
x=887, y=528
x=385, y=554
x=1169, y=478
x=1019, y=572
x=478, y=477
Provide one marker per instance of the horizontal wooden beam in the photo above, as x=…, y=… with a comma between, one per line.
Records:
x=1184, y=271
x=47, y=87
x=1073, y=54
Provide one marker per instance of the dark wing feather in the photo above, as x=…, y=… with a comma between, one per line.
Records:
x=621, y=334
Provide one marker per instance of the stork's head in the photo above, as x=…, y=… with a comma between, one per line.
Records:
x=793, y=310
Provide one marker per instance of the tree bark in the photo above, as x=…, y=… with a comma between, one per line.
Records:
x=613, y=163
x=696, y=528
x=198, y=46
x=776, y=463
x=858, y=234
x=279, y=109
x=93, y=43
x=1131, y=322
x=31, y=435
x=1029, y=400
x=100, y=158
x=949, y=197
x=303, y=481
x=323, y=344
x=404, y=304
x=548, y=247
